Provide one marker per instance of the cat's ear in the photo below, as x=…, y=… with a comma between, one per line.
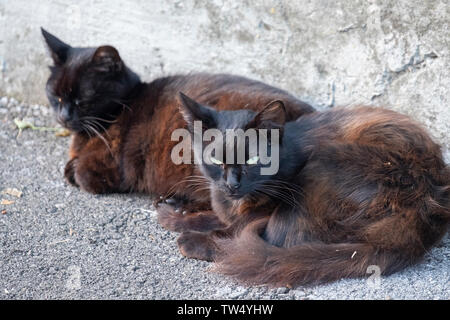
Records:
x=58, y=49
x=272, y=116
x=107, y=59
x=194, y=111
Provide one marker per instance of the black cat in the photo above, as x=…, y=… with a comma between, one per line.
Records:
x=122, y=127
x=355, y=188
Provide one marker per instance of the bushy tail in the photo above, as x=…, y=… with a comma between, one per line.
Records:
x=251, y=260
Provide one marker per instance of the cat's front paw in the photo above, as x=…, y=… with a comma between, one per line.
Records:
x=183, y=205
x=197, y=245
x=175, y=203
x=69, y=172
x=170, y=217
x=173, y=219
x=96, y=177
x=93, y=182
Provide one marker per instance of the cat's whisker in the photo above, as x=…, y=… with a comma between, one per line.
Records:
x=293, y=193
x=279, y=195
x=89, y=130
x=98, y=118
x=274, y=189
x=103, y=139
x=201, y=189
x=284, y=184
x=255, y=194
x=86, y=129
x=99, y=126
x=282, y=190
x=192, y=178
x=123, y=105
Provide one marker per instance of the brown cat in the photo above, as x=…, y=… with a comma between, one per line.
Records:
x=355, y=188
x=122, y=127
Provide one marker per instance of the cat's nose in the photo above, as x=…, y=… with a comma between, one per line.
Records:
x=233, y=178
x=64, y=114
x=233, y=185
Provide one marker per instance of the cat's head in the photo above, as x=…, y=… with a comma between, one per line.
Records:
x=87, y=86
x=233, y=177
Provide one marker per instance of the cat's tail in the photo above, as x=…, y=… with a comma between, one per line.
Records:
x=251, y=260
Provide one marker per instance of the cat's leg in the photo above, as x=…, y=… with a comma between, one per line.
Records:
x=197, y=245
x=95, y=173
x=91, y=166
x=69, y=171
x=202, y=245
x=76, y=149
x=173, y=219
x=184, y=204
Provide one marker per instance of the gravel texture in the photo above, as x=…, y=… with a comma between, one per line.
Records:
x=58, y=242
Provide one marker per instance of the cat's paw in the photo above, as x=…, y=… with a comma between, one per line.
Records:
x=173, y=219
x=69, y=172
x=92, y=182
x=176, y=203
x=170, y=217
x=95, y=177
x=197, y=245
x=183, y=205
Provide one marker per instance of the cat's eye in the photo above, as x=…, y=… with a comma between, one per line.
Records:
x=59, y=100
x=216, y=161
x=253, y=160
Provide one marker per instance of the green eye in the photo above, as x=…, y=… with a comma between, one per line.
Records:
x=253, y=160
x=215, y=161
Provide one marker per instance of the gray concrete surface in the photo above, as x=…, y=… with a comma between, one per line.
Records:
x=391, y=53
x=57, y=242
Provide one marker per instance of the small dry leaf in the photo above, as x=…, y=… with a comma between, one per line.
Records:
x=21, y=124
x=13, y=192
x=6, y=202
x=62, y=133
x=3, y=211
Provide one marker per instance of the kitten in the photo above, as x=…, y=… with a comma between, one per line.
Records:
x=122, y=126
x=355, y=188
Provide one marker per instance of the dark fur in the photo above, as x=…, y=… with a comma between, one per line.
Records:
x=356, y=187
x=134, y=120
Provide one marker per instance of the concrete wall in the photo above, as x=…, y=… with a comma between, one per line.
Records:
x=388, y=53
